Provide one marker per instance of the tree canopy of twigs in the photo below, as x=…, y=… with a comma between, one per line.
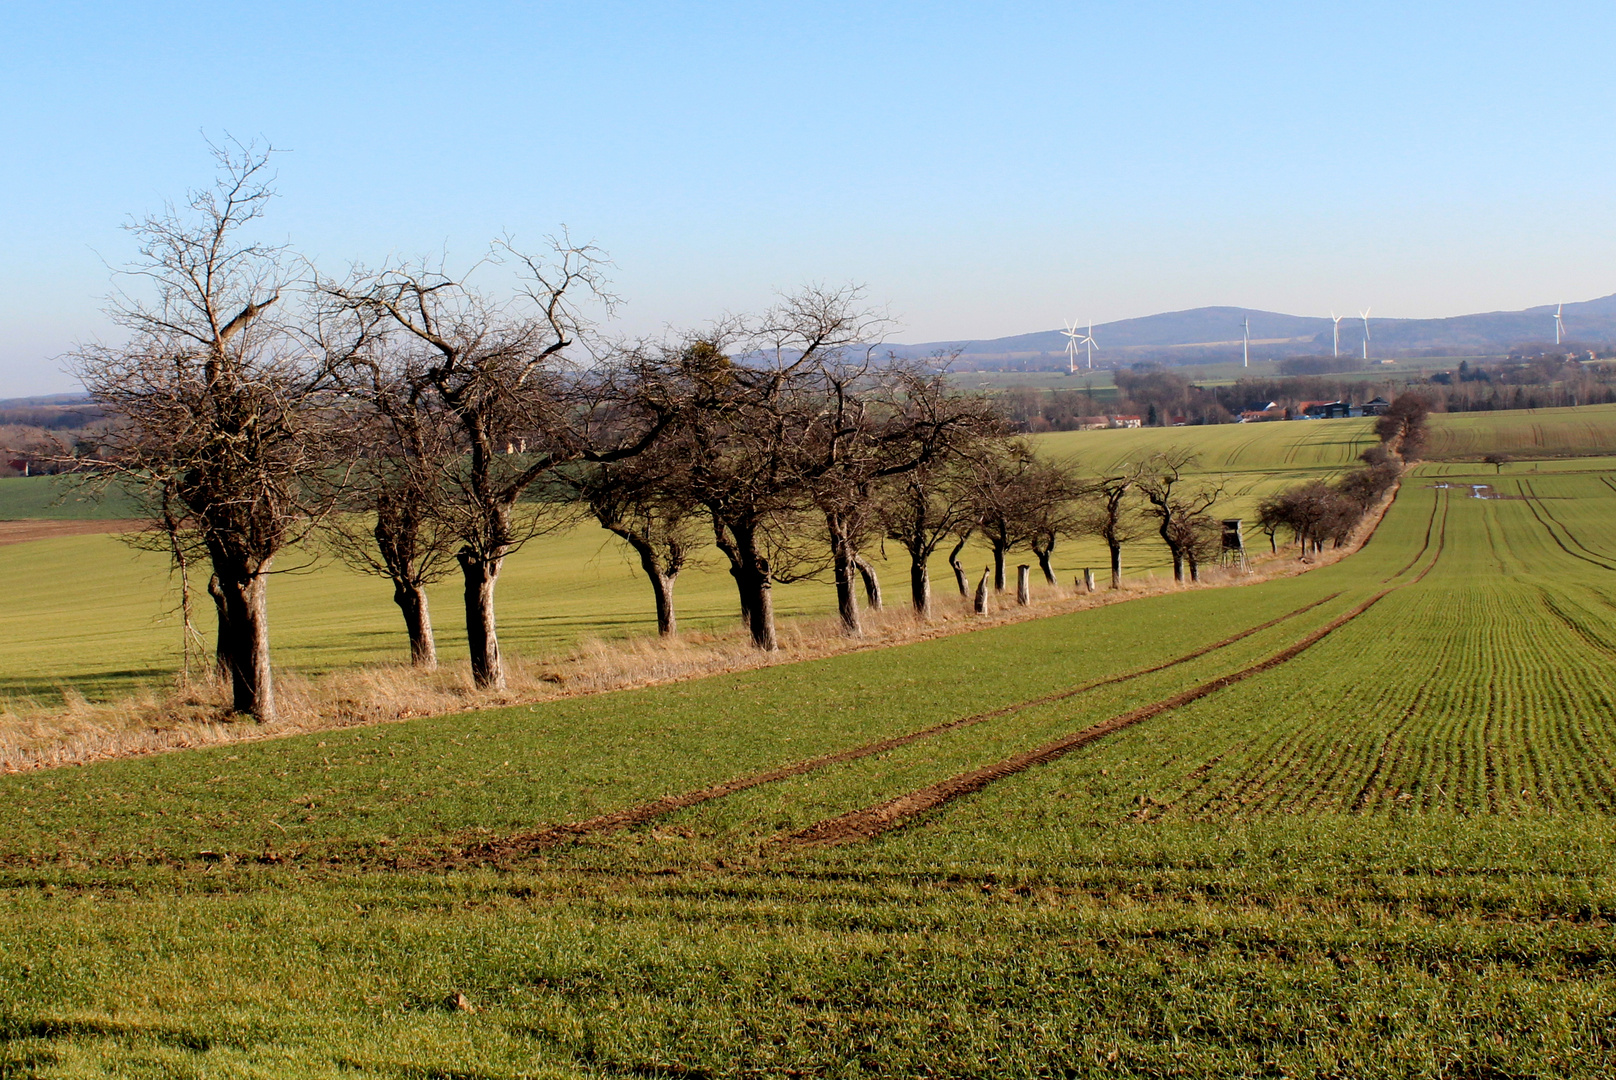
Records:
x=225, y=407
x=502, y=374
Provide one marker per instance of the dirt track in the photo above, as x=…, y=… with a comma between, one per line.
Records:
x=21, y=532
x=872, y=821
x=875, y=820
x=525, y=843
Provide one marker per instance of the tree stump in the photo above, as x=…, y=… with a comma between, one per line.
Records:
x=981, y=604
x=1088, y=580
x=1023, y=585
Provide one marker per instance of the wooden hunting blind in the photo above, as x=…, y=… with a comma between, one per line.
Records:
x=1234, y=542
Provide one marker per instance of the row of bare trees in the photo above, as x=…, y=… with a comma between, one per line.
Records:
x=422, y=423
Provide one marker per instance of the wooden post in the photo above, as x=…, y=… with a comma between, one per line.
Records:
x=981, y=605
x=1088, y=580
x=1023, y=585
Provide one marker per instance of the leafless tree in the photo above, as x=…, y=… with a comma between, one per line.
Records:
x=1405, y=425
x=762, y=423
x=1020, y=500
x=945, y=435
x=502, y=372
x=1053, y=512
x=646, y=502
x=1107, y=511
x=225, y=410
x=1307, y=510
x=395, y=522
x=1179, y=504
x=881, y=422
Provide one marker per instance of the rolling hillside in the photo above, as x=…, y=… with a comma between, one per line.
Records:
x=1200, y=334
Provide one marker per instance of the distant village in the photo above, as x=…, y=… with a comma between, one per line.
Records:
x=1256, y=413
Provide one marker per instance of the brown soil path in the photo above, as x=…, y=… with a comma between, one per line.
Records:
x=539, y=840
x=872, y=821
x=21, y=532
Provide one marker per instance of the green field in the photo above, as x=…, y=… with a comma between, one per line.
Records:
x=1388, y=853
x=91, y=614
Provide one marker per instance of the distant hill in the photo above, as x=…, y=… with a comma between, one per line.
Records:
x=1213, y=333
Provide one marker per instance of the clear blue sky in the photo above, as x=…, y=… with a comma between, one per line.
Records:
x=986, y=168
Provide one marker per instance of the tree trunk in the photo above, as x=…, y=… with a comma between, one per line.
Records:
x=221, y=636
x=1045, y=555
x=1023, y=584
x=959, y=570
x=721, y=537
x=842, y=570
x=998, y=566
x=920, y=587
x=741, y=591
x=252, y=687
x=759, y=604
x=1195, y=566
x=661, y=583
x=481, y=575
x=1116, y=565
x=1177, y=550
x=981, y=604
x=872, y=584
x=411, y=600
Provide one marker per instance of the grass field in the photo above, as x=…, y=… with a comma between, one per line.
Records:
x=1352, y=823
x=93, y=617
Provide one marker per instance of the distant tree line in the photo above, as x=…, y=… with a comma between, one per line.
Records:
x=420, y=425
x=1316, y=513
x=1161, y=397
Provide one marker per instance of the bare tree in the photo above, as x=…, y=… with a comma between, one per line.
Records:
x=224, y=408
x=1404, y=426
x=1107, y=511
x=881, y=422
x=1052, y=511
x=502, y=374
x=1020, y=499
x=646, y=502
x=764, y=427
x=395, y=523
x=921, y=509
x=1179, y=505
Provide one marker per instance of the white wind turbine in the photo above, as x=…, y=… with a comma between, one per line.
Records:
x=1335, y=346
x=1245, y=342
x=1559, y=323
x=1073, y=339
x=1088, y=341
x=1364, y=315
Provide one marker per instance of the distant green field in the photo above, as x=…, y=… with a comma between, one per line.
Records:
x=1390, y=854
x=92, y=614
x=62, y=498
x=1588, y=430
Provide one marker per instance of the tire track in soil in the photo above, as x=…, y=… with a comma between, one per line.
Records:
x=554, y=836
x=1532, y=502
x=1533, y=496
x=1436, y=501
x=872, y=821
